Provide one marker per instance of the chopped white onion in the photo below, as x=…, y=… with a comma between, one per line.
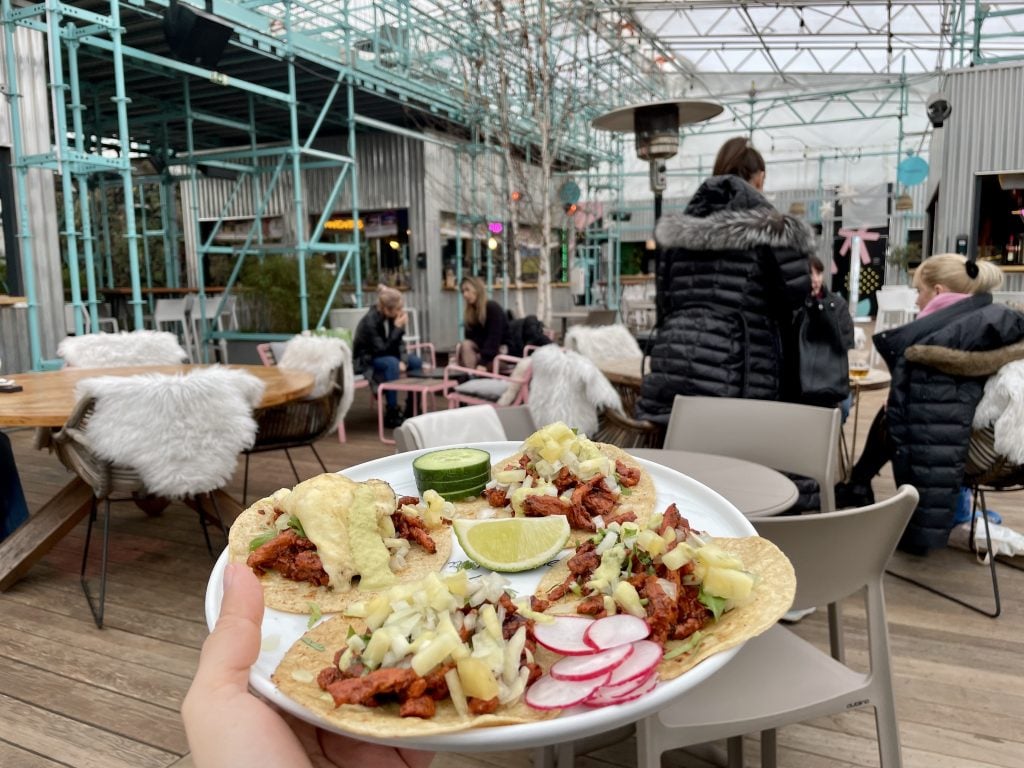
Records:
x=607, y=542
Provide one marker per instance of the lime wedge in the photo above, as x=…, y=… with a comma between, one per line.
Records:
x=513, y=544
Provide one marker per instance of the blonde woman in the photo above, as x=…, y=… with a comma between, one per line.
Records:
x=925, y=425
x=378, y=349
x=486, y=326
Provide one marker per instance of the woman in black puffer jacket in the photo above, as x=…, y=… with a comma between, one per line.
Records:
x=733, y=271
x=925, y=426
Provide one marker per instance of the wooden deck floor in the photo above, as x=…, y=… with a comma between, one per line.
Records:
x=73, y=695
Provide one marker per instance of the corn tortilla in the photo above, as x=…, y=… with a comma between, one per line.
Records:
x=296, y=678
x=296, y=597
x=772, y=595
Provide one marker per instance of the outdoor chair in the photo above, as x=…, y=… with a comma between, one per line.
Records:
x=987, y=471
x=101, y=320
x=300, y=423
x=778, y=678
x=174, y=314
x=468, y=386
x=112, y=350
x=802, y=439
x=168, y=436
x=456, y=426
x=219, y=314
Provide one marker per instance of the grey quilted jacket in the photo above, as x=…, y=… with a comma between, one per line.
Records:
x=733, y=271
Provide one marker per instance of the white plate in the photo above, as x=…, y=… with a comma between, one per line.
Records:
x=706, y=511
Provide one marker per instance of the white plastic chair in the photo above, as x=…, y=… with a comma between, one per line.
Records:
x=174, y=313
x=101, y=321
x=897, y=306
x=786, y=436
x=474, y=423
x=225, y=320
x=778, y=678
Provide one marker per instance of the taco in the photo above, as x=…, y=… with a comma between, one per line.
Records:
x=561, y=472
x=329, y=538
x=700, y=595
x=442, y=654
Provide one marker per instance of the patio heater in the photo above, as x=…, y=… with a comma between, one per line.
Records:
x=655, y=127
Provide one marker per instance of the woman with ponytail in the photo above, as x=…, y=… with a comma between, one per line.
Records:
x=925, y=426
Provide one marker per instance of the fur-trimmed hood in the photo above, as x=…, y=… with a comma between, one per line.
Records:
x=727, y=213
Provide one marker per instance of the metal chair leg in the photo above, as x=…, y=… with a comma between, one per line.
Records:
x=315, y=453
x=97, y=607
x=245, y=482
x=292, y=463
x=197, y=500
x=979, y=501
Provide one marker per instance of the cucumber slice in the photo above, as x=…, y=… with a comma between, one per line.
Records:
x=454, y=485
x=452, y=464
x=456, y=494
x=454, y=473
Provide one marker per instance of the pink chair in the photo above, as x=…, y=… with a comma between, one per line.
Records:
x=488, y=387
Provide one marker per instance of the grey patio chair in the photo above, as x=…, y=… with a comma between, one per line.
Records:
x=778, y=678
x=172, y=437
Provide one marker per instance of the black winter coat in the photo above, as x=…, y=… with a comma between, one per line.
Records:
x=733, y=271
x=930, y=412
x=376, y=338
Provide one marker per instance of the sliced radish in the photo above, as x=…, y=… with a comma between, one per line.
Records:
x=549, y=693
x=639, y=664
x=564, y=635
x=619, y=629
x=590, y=666
x=601, y=697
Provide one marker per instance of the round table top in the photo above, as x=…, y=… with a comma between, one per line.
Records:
x=876, y=379
x=754, y=489
x=48, y=397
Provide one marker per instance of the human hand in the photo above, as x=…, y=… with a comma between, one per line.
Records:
x=228, y=725
x=481, y=367
x=402, y=319
x=402, y=367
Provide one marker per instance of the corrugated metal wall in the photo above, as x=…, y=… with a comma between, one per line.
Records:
x=32, y=81
x=985, y=132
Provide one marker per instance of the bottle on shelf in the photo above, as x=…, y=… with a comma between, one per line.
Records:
x=1012, y=252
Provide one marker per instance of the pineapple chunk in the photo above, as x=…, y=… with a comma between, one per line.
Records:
x=377, y=610
x=434, y=653
x=458, y=583
x=626, y=597
x=477, y=679
x=728, y=583
x=650, y=542
x=380, y=643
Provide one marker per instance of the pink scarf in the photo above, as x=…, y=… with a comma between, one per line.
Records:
x=941, y=301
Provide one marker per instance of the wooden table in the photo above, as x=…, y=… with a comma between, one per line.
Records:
x=47, y=400
x=754, y=489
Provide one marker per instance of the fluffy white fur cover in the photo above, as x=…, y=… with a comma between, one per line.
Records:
x=181, y=433
x=603, y=342
x=320, y=356
x=1002, y=405
x=110, y=350
x=568, y=387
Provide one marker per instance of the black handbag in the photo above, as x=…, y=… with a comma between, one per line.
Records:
x=822, y=345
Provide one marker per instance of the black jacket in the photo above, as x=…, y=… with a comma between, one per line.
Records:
x=376, y=337
x=491, y=335
x=930, y=412
x=733, y=271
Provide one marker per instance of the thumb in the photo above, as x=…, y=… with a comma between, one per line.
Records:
x=234, y=644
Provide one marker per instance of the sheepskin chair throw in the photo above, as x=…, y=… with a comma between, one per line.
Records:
x=111, y=350
x=603, y=342
x=1002, y=407
x=320, y=355
x=568, y=387
x=181, y=433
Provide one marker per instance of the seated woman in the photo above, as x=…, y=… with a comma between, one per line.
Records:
x=486, y=326
x=378, y=349
x=925, y=426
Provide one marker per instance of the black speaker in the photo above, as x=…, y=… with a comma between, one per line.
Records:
x=195, y=36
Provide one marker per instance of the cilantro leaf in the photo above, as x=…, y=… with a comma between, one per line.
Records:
x=296, y=525
x=714, y=604
x=314, y=615
x=262, y=539
x=313, y=644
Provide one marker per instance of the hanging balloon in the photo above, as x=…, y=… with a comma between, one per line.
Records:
x=912, y=171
